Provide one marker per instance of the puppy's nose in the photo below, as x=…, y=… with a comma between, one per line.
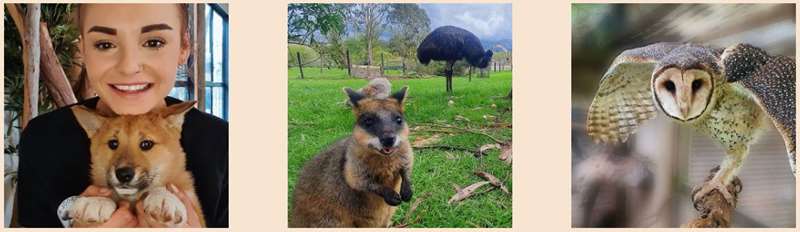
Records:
x=387, y=141
x=125, y=174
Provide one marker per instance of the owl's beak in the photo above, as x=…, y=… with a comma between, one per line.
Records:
x=684, y=101
x=685, y=111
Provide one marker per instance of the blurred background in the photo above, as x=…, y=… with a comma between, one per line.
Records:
x=648, y=181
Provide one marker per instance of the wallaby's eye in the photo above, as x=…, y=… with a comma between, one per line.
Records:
x=146, y=145
x=113, y=144
x=369, y=121
x=399, y=120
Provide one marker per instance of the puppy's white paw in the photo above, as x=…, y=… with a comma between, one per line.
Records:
x=164, y=208
x=92, y=210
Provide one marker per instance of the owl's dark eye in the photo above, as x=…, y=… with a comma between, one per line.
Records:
x=113, y=144
x=146, y=145
x=670, y=86
x=696, y=84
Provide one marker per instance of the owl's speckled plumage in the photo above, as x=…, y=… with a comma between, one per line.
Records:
x=749, y=87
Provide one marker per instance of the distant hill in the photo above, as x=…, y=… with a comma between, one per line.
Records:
x=506, y=43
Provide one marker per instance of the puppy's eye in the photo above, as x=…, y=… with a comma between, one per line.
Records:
x=146, y=145
x=399, y=120
x=113, y=144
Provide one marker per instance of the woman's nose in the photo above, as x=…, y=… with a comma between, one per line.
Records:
x=130, y=62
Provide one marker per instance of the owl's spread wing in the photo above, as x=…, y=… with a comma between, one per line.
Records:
x=624, y=98
x=772, y=85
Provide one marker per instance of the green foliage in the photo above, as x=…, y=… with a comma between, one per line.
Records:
x=307, y=21
x=63, y=35
x=409, y=25
x=317, y=117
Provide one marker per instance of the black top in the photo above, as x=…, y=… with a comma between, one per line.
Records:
x=54, y=164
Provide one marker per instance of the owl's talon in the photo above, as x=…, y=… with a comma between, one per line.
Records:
x=710, y=186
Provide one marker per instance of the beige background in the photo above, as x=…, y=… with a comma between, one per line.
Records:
x=258, y=128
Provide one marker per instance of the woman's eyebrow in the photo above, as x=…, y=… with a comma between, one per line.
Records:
x=154, y=27
x=102, y=29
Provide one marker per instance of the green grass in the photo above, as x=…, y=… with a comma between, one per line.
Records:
x=318, y=117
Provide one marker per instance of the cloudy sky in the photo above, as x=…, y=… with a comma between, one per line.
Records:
x=487, y=21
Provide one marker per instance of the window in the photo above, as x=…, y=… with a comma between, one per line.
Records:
x=216, y=65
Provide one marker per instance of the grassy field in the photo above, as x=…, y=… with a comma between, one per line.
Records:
x=318, y=117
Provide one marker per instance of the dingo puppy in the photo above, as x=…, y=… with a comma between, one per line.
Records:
x=136, y=156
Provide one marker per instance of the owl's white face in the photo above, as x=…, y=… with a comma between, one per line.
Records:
x=683, y=95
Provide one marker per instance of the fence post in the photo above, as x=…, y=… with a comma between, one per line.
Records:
x=382, y=74
x=348, y=63
x=300, y=64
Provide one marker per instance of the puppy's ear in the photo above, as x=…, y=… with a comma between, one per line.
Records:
x=175, y=113
x=353, y=96
x=88, y=119
x=400, y=95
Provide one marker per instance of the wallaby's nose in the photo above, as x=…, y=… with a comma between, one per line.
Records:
x=125, y=174
x=388, y=141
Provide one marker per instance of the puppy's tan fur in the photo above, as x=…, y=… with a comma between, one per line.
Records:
x=163, y=163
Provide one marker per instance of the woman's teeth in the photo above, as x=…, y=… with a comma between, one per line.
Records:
x=130, y=88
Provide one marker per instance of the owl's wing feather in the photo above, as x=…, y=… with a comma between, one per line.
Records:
x=624, y=98
x=772, y=85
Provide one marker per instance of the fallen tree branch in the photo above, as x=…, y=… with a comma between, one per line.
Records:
x=466, y=130
x=444, y=147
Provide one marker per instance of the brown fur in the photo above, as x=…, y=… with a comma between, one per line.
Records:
x=165, y=162
x=340, y=187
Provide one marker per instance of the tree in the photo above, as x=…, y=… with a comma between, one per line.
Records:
x=409, y=25
x=369, y=19
x=307, y=21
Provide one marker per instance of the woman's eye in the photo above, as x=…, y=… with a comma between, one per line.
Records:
x=104, y=45
x=154, y=43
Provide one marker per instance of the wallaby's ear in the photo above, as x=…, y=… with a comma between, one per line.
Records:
x=353, y=96
x=88, y=119
x=400, y=95
x=175, y=113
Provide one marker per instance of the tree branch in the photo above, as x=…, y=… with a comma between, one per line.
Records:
x=715, y=211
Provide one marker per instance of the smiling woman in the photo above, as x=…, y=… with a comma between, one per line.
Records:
x=131, y=61
x=131, y=54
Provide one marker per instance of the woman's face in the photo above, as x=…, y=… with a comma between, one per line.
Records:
x=132, y=53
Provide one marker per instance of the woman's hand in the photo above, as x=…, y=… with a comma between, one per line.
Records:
x=122, y=216
x=193, y=219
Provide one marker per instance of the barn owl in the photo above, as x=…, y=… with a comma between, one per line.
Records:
x=727, y=94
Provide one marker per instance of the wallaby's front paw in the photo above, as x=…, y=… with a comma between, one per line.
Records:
x=405, y=193
x=164, y=208
x=392, y=199
x=88, y=211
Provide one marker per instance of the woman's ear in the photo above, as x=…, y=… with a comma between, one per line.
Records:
x=186, y=48
x=80, y=46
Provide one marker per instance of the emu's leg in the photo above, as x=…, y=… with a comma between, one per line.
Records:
x=449, y=73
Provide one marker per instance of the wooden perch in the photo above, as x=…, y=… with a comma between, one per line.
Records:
x=715, y=211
